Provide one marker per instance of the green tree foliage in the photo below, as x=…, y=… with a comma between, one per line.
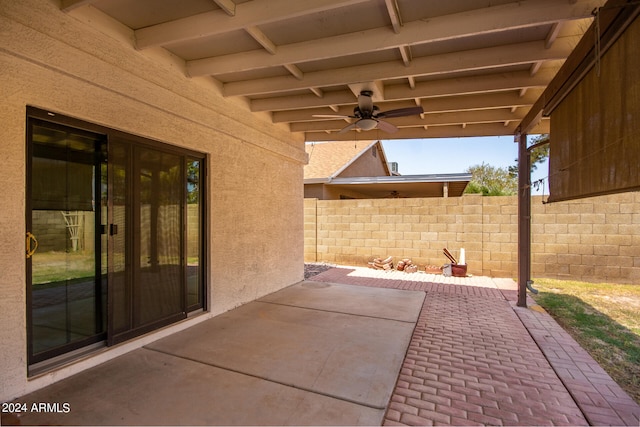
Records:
x=538, y=155
x=491, y=181
x=193, y=181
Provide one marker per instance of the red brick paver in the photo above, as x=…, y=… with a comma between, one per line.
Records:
x=472, y=359
x=602, y=401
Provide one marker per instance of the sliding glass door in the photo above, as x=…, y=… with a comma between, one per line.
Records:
x=114, y=236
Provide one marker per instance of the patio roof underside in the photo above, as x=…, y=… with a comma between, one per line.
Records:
x=475, y=66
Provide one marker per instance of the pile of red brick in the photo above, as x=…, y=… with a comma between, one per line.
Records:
x=404, y=264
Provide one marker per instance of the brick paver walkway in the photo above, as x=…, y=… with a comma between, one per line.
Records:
x=472, y=359
x=602, y=401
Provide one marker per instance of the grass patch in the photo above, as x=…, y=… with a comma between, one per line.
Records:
x=53, y=267
x=604, y=319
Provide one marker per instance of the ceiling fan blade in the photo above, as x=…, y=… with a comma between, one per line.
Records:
x=387, y=127
x=401, y=112
x=332, y=116
x=348, y=128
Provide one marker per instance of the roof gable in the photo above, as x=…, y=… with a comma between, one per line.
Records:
x=328, y=159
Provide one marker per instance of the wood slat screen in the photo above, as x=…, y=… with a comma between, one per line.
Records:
x=595, y=130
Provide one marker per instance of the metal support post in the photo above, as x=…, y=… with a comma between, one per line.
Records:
x=524, y=219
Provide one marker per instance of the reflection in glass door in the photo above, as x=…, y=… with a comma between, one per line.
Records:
x=147, y=281
x=67, y=296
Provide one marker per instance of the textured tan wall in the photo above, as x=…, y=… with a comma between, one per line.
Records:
x=60, y=62
x=366, y=165
x=595, y=239
x=310, y=230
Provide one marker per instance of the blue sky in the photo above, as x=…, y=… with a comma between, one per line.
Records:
x=455, y=155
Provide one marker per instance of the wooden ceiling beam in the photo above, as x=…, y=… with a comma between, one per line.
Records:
x=228, y=6
x=472, y=60
x=453, y=131
x=394, y=14
x=69, y=5
x=248, y=14
x=262, y=39
x=436, y=89
x=491, y=82
x=434, y=119
x=302, y=101
x=553, y=34
x=509, y=100
x=482, y=21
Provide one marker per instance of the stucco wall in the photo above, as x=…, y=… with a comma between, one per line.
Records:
x=62, y=63
x=595, y=239
x=370, y=163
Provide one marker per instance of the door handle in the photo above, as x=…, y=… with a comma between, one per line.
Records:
x=32, y=244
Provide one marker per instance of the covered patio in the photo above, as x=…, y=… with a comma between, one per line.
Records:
x=232, y=90
x=352, y=346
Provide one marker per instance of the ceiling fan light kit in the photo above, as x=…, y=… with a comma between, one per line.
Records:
x=367, y=124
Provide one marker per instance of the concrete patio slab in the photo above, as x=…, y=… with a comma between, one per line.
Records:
x=146, y=387
x=312, y=354
x=394, y=305
x=353, y=357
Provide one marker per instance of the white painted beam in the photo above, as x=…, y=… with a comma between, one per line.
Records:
x=248, y=14
x=481, y=21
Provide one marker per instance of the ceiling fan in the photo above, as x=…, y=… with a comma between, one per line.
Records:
x=368, y=115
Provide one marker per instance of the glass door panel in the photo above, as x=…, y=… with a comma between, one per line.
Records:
x=147, y=280
x=158, y=282
x=67, y=309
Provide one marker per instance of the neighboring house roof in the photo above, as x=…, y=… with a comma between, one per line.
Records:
x=328, y=159
x=407, y=186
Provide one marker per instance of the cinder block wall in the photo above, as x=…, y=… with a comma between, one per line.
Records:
x=595, y=239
